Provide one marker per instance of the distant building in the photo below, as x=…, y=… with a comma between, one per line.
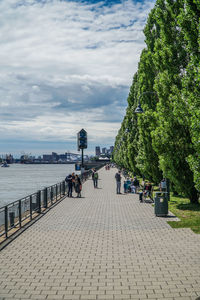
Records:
x=111, y=149
x=47, y=157
x=55, y=156
x=104, y=150
x=97, y=151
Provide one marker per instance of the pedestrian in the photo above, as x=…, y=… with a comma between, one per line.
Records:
x=163, y=185
x=78, y=186
x=118, y=181
x=95, y=178
x=136, y=184
x=125, y=187
x=73, y=181
x=68, y=179
x=93, y=171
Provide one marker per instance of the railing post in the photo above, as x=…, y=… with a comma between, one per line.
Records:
x=31, y=207
x=12, y=219
x=51, y=194
x=20, y=213
x=63, y=188
x=45, y=198
x=39, y=201
x=56, y=191
x=60, y=189
x=6, y=221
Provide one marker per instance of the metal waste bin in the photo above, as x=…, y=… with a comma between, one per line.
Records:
x=161, y=204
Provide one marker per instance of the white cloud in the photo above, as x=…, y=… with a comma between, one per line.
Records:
x=62, y=59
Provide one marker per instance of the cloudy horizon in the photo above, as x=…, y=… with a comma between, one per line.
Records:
x=66, y=65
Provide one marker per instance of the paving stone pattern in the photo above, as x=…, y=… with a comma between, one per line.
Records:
x=102, y=246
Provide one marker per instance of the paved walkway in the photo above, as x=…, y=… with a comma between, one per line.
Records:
x=102, y=246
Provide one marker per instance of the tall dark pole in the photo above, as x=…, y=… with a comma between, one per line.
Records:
x=81, y=158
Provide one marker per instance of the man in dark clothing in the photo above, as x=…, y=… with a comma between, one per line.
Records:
x=68, y=179
x=136, y=184
x=118, y=181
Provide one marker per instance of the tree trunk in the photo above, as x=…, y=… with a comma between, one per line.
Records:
x=194, y=197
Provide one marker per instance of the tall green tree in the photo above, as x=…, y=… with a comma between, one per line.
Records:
x=147, y=159
x=168, y=133
x=171, y=137
x=189, y=20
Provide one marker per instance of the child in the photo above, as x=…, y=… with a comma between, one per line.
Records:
x=125, y=187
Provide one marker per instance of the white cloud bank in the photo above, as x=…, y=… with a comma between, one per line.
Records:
x=65, y=66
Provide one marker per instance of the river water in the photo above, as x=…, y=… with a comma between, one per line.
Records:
x=20, y=180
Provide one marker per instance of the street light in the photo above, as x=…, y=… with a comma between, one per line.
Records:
x=139, y=109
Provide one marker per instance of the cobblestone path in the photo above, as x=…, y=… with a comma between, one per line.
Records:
x=102, y=246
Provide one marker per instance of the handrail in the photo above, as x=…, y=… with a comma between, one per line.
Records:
x=18, y=213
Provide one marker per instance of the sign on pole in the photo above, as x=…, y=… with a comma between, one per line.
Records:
x=82, y=139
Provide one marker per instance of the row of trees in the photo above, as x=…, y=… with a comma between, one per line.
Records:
x=164, y=141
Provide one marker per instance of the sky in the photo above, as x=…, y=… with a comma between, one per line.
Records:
x=66, y=65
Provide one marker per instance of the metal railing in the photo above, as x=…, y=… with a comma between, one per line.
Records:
x=17, y=214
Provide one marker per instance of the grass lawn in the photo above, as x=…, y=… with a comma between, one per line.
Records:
x=188, y=213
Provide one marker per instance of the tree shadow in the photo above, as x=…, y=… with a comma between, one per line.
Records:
x=189, y=206
x=178, y=196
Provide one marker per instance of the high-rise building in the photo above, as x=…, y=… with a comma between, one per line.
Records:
x=111, y=149
x=97, y=151
x=104, y=150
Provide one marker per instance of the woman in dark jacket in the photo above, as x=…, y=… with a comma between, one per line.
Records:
x=78, y=186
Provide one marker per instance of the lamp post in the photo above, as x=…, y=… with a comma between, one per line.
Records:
x=139, y=109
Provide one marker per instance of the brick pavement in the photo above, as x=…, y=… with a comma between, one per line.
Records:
x=102, y=246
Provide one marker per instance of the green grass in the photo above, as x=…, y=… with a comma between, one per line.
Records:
x=189, y=214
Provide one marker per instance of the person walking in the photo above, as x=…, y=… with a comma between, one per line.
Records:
x=78, y=186
x=118, y=181
x=68, y=179
x=93, y=171
x=95, y=178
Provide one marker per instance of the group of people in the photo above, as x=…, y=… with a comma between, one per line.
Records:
x=74, y=184
x=107, y=167
x=132, y=186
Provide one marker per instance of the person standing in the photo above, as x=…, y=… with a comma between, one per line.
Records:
x=73, y=180
x=95, y=179
x=68, y=179
x=136, y=184
x=163, y=185
x=78, y=186
x=93, y=171
x=118, y=181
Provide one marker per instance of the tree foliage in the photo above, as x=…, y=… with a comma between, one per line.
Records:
x=165, y=139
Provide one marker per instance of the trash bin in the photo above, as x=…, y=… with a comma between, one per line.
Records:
x=161, y=204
